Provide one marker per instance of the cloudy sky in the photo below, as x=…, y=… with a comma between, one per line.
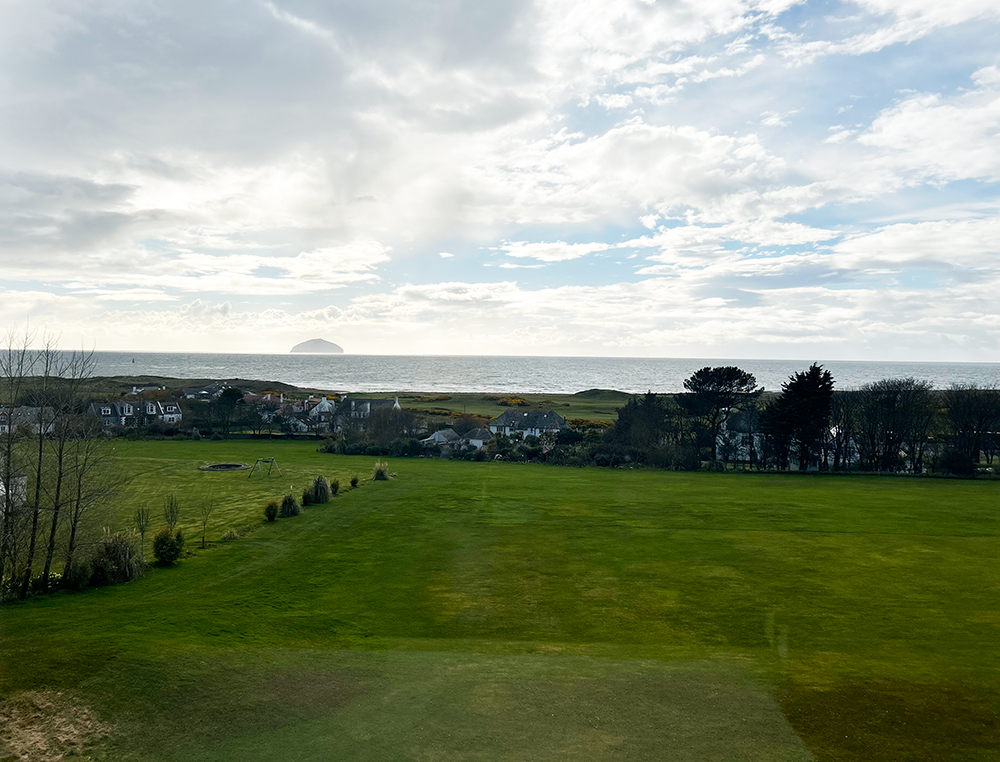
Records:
x=713, y=178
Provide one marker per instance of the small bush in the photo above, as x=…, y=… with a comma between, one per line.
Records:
x=957, y=463
x=334, y=487
x=308, y=497
x=117, y=559
x=289, y=507
x=380, y=471
x=78, y=577
x=322, y=490
x=230, y=534
x=54, y=582
x=271, y=511
x=354, y=482
x=167, y=546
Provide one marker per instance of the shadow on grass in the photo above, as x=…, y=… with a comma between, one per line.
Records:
x=893, y=720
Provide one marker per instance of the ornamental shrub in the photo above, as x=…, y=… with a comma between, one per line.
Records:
x=167, y=546
x=289, y=506
x=380, y=471
x=354, y=482
x=334, y=487
x=271, y=511
x=308, y=497
x=116, y=559
x=322, y=490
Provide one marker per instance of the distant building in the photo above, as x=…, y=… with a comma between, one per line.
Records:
x=205, y=393
x=26, y=418
x=477, y=438
x=129, y=413
x=18, y=490
x=352, y=412
x=441, y=437
x=528, y=422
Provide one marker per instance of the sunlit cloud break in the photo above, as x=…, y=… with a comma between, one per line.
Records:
x=751, y=178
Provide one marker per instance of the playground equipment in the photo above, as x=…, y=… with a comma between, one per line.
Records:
x=271, y=463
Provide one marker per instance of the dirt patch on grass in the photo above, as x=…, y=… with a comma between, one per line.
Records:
x=44, y=726
x=893, y=720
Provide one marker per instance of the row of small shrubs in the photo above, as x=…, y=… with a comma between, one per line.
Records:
x=322, y=491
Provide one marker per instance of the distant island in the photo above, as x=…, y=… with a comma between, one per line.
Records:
x=318, y=346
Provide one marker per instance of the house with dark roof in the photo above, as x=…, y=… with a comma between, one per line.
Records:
x=477, y=438
x=441, y=437
x=26, y=418
x=528, y=422
x=352, y=412
x=135, y=412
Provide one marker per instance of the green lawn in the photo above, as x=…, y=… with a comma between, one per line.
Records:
x=592, y=405
x=502, y=611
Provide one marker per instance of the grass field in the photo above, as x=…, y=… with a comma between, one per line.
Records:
x=591, y=405
x=504, y=611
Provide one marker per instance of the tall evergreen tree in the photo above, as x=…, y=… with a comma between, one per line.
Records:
x=800, y=415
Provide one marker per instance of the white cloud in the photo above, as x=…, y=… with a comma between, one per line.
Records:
x=946, y=138
x=908, y=21
x=559, y=251
x=969, y=243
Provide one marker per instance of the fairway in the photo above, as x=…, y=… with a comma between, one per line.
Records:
x=501, y=611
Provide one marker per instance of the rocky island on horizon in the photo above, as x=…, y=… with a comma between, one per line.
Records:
x=318, y=346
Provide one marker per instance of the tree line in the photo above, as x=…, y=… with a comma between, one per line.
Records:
x=890, y=425
x=56, y=468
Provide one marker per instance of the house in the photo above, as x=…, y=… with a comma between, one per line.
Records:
x=18, y=490
x=352, y=412
x=323, y=411
x=441, y=437
x=136, y=412
x=27, y=418
x=161, y=411
x=477, y=438
x=528, y=422
x=112, y=414
x=205, y=393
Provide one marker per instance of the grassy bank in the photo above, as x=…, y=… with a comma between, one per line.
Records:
x=486, y=611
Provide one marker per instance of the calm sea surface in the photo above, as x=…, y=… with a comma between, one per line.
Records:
x=547, y=375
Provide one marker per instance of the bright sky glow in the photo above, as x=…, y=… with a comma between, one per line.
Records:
x=713, y=178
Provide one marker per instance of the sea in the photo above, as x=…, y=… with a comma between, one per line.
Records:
x=505, y=374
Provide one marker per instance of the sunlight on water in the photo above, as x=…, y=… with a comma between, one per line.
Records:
x=547, y=375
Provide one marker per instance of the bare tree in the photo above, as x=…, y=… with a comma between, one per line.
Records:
x=95, y=478
x=386, y=424
x=67, y=426
x=205, y=513
x=891, y=423
x=171, y=512
x=46, y=362
x=143, y=518
x=973, y=412
x=16, y=364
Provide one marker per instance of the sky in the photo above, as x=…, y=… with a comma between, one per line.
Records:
x=641, y=178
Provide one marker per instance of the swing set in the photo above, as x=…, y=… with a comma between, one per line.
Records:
x=271, y=463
